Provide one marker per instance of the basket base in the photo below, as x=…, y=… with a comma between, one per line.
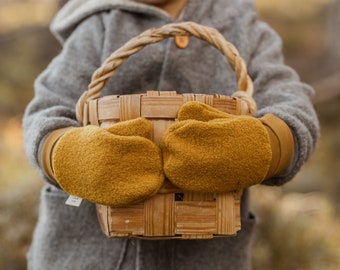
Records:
x=179, y=215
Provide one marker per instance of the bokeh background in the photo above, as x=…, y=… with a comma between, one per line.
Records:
x=299, y=223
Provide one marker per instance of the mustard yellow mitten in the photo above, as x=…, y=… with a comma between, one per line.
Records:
x=211, y=151
x=115, y=166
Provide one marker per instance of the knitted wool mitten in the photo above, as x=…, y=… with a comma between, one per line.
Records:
x=211, y=151
x=115, y=166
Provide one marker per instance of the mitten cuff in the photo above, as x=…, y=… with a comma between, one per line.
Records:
x=47, y=150
x=282, y=144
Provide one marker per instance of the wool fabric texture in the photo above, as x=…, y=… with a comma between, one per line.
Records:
x=218, y=155
x=117, y=166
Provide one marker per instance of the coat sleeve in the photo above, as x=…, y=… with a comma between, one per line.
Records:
x=59, y=86
x=279, y=90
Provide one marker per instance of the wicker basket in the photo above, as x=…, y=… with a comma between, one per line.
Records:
x=172, y=213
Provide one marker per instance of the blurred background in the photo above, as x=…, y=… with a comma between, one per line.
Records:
x=299, y=223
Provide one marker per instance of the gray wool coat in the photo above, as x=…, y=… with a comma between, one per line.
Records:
x=90, y=30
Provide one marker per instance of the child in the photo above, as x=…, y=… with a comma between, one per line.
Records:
x=90, y=30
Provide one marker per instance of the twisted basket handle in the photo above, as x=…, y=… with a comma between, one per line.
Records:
x=101, y=76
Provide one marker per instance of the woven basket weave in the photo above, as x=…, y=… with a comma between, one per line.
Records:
x=172, y=213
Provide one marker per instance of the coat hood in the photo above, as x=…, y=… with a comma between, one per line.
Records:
x=74, y=11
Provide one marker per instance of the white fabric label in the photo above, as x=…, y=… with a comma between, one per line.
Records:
x=73, y=201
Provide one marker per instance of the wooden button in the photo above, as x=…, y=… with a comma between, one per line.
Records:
x=182, y=41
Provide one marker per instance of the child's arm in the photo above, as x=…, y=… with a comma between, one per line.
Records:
x=58, y=88
x=279, y=91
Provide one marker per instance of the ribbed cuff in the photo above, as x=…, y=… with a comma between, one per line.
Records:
x=47, y=150
x=281, y=141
